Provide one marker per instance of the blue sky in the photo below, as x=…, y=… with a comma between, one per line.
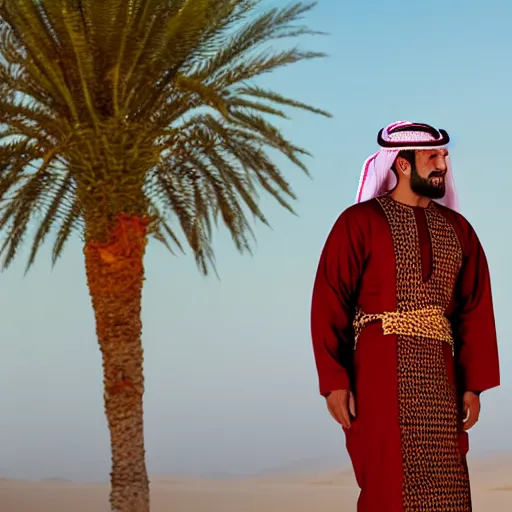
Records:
x=231, y=383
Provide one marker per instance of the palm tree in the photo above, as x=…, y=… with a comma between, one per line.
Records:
x=123, y=120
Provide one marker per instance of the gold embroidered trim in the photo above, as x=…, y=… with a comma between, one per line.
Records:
x=435, y=477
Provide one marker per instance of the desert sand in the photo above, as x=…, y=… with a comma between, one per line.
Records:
x=327, y=492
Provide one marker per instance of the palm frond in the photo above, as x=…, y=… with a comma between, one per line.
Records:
x=146, y=108
x=71, y=223
x=274, y=97
x=56, y=209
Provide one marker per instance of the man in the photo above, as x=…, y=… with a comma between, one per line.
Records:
x=403, y=327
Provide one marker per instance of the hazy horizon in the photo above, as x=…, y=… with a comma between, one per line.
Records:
x=230, y=379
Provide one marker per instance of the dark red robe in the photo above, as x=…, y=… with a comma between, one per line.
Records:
x=357, y=270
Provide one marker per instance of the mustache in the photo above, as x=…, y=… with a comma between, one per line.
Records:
x=437, y=174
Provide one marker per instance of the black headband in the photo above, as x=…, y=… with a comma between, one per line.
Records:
x=441, y=137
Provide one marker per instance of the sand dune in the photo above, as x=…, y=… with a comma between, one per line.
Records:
x=327, y=492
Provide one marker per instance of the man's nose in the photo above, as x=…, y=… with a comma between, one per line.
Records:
x=441, y=163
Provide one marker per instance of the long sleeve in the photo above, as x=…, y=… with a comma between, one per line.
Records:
x=334, y=300
x=474, y=325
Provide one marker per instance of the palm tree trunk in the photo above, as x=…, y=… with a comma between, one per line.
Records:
x=115, y=276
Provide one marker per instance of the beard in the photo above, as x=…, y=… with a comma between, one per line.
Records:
x=428, y=187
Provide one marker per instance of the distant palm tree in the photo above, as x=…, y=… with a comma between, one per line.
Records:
x=120, y=120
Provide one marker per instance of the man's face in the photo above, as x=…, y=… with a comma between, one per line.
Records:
x=429, y=173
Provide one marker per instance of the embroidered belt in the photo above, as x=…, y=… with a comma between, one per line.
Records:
x=429, y=322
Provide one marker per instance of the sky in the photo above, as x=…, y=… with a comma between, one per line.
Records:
x=231, y=385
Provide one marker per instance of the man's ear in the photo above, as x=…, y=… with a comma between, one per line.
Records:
x=403, y=166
